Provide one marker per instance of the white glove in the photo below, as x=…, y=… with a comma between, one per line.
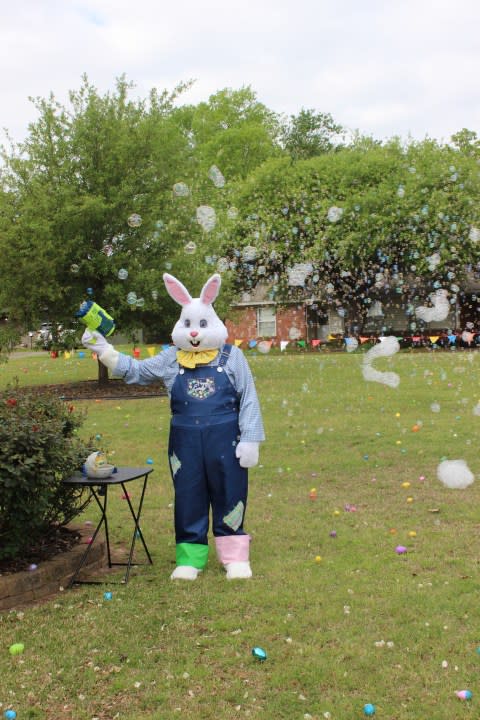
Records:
x=247, y=454
x=95, y=342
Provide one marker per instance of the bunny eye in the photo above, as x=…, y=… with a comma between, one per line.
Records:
x=186, y=322
x=203, y=323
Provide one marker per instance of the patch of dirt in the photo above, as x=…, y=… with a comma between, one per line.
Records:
x=60, y=540
x=92, y=390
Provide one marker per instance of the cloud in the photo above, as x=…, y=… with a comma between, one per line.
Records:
x=384, y=68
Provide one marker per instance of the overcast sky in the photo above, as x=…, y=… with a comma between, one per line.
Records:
x=384, y=67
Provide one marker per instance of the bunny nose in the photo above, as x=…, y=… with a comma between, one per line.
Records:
x=194, y=333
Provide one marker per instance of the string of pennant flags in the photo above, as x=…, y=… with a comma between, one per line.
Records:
x=443, y=339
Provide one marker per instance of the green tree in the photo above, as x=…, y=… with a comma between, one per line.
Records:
x=310, y=133
x=363, y=221
x=87, y=194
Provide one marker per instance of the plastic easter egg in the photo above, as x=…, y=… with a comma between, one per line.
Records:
x=149, y=461
x=400, y=549
x=32, y=567
x=107, y=595
x=9, y=714
x=369, y=709
x=464, y=694
x=16, y=649
x=259, y=653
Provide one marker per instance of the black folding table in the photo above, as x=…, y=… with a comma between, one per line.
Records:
x=99, y=490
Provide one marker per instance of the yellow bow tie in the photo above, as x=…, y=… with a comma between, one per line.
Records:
x=190, y=359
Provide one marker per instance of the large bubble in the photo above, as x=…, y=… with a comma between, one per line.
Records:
x=134, y=220
x=334, y=213
x=206, y=217
x=387, y=347
x=440, y=309
x=474, y=234
x=190, y=248
x=216, y=176
x=180, y=189
x=455, y=474
x=249, y=253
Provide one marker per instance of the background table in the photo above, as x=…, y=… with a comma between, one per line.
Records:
x=99, y=490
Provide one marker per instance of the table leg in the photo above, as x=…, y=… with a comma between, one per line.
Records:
x=137, y=531
x=103, y=521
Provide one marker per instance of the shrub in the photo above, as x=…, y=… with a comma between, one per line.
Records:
x=39, y=448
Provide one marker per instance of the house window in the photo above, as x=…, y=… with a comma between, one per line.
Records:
x=266, y=321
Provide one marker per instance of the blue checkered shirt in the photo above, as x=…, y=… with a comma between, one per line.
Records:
x=164, y=366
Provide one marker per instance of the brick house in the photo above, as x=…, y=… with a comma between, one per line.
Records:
x=257, y=316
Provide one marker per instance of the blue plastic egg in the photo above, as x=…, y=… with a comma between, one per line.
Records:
x=259, y=653
x=369, y=709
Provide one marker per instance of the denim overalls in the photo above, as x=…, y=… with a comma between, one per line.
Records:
x=204, y=432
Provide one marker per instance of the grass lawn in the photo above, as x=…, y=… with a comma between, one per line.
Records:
x=344, y=619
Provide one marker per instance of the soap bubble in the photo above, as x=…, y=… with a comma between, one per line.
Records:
x=351, y=343
x=474, y=234
x=455, y=474
x=132, y=298
x=387, y=347
x=249, y=253
x=180, y=189
x=440, y=309
x=122, y=274
x=433, y=261
x=135, y=220
x=222, y=264
x=216, y=177
x=206, y=217
x=334, y=213
x=190, y=248
x=264, y=346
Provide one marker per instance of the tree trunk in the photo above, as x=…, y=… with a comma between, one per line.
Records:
x=103, y=378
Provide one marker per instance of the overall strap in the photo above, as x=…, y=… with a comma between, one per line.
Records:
x=225, y=354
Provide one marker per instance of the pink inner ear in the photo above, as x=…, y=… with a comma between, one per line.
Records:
x=177, y=291
x=210, y=291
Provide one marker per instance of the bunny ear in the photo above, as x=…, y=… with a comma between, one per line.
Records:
x=176, y=290
x=211, y=289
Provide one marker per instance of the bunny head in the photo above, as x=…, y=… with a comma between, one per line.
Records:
x=199, y=327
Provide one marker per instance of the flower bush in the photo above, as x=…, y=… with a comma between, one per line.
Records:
x=39, y=448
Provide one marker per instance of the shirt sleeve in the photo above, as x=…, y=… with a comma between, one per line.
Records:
x=162, y=367
x=250, y=416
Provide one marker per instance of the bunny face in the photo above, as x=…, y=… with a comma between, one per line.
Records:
x=199, y=327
